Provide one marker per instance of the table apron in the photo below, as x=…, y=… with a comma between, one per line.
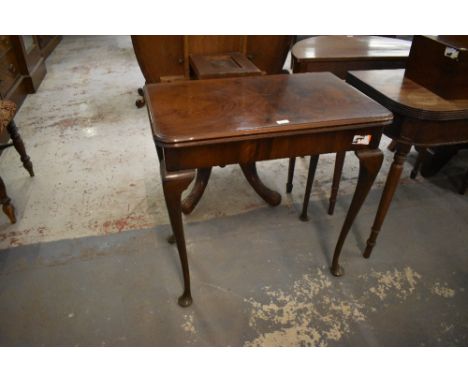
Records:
x=254, y=150
x=340, y=68
x=427, y=133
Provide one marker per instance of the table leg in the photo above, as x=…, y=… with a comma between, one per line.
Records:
x=391, y=184
x=370, y=162
x=7, y=207
x=250, y=172
x=201, y=181
x=310, y=179
x=392, y=146
x=19, y=146
x=173, y=185
x=292, y=165
x=339, y=162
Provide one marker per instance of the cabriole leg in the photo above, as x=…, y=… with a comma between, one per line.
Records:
x=250, y=172
x=173, y=185
x=370, y=162
x=201, y=181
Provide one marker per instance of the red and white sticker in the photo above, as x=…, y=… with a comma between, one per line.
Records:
x=362, y=139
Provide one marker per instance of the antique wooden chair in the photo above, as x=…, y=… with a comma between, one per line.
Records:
x=7, y=113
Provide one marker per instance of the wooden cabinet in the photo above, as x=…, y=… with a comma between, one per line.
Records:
x=47, y=44
x=22, y=65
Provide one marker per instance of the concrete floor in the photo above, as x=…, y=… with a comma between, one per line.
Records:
x=88, y=264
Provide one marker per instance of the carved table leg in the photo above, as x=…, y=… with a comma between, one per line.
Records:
x=310, y=180
x=250, y=172
x=339, y=162
x=370, y=162
x=8, y=208
x=173, y=185
x=292, y=165
x=19, y=146
x=391, y=184
x=421, y=155
x=139, y=103
x=201, y=181
x=392, y=145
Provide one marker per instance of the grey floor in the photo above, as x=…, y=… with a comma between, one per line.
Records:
x=259, y=278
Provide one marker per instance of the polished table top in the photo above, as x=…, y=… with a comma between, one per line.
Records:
x=393, y=90
x=194, y=111
x=337, y=48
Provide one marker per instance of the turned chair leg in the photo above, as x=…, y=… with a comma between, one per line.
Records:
x=310, y=179
x=19, y=146
x=7, y=207
x=289, y=184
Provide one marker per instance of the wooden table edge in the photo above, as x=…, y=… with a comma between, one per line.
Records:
x=271, y=134
x=406, y=110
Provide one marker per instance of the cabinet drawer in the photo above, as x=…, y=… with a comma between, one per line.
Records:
x=9, y=71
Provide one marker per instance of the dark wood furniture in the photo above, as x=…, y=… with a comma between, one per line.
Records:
x=47, y=44
x=166, y=58
x=440, y=64
x=200, y=124
x=175, y=58
x=224, y=65
x=7, y=113
x=421, y=118
x=22, y=67
x=212, y=66
x=339, y=54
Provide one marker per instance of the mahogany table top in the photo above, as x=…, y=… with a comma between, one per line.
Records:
x=235, y=108
x=343, y=48
x=400, y=94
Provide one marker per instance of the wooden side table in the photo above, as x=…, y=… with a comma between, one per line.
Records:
x=339, y=54
x=199, y=124
x=421, y=118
